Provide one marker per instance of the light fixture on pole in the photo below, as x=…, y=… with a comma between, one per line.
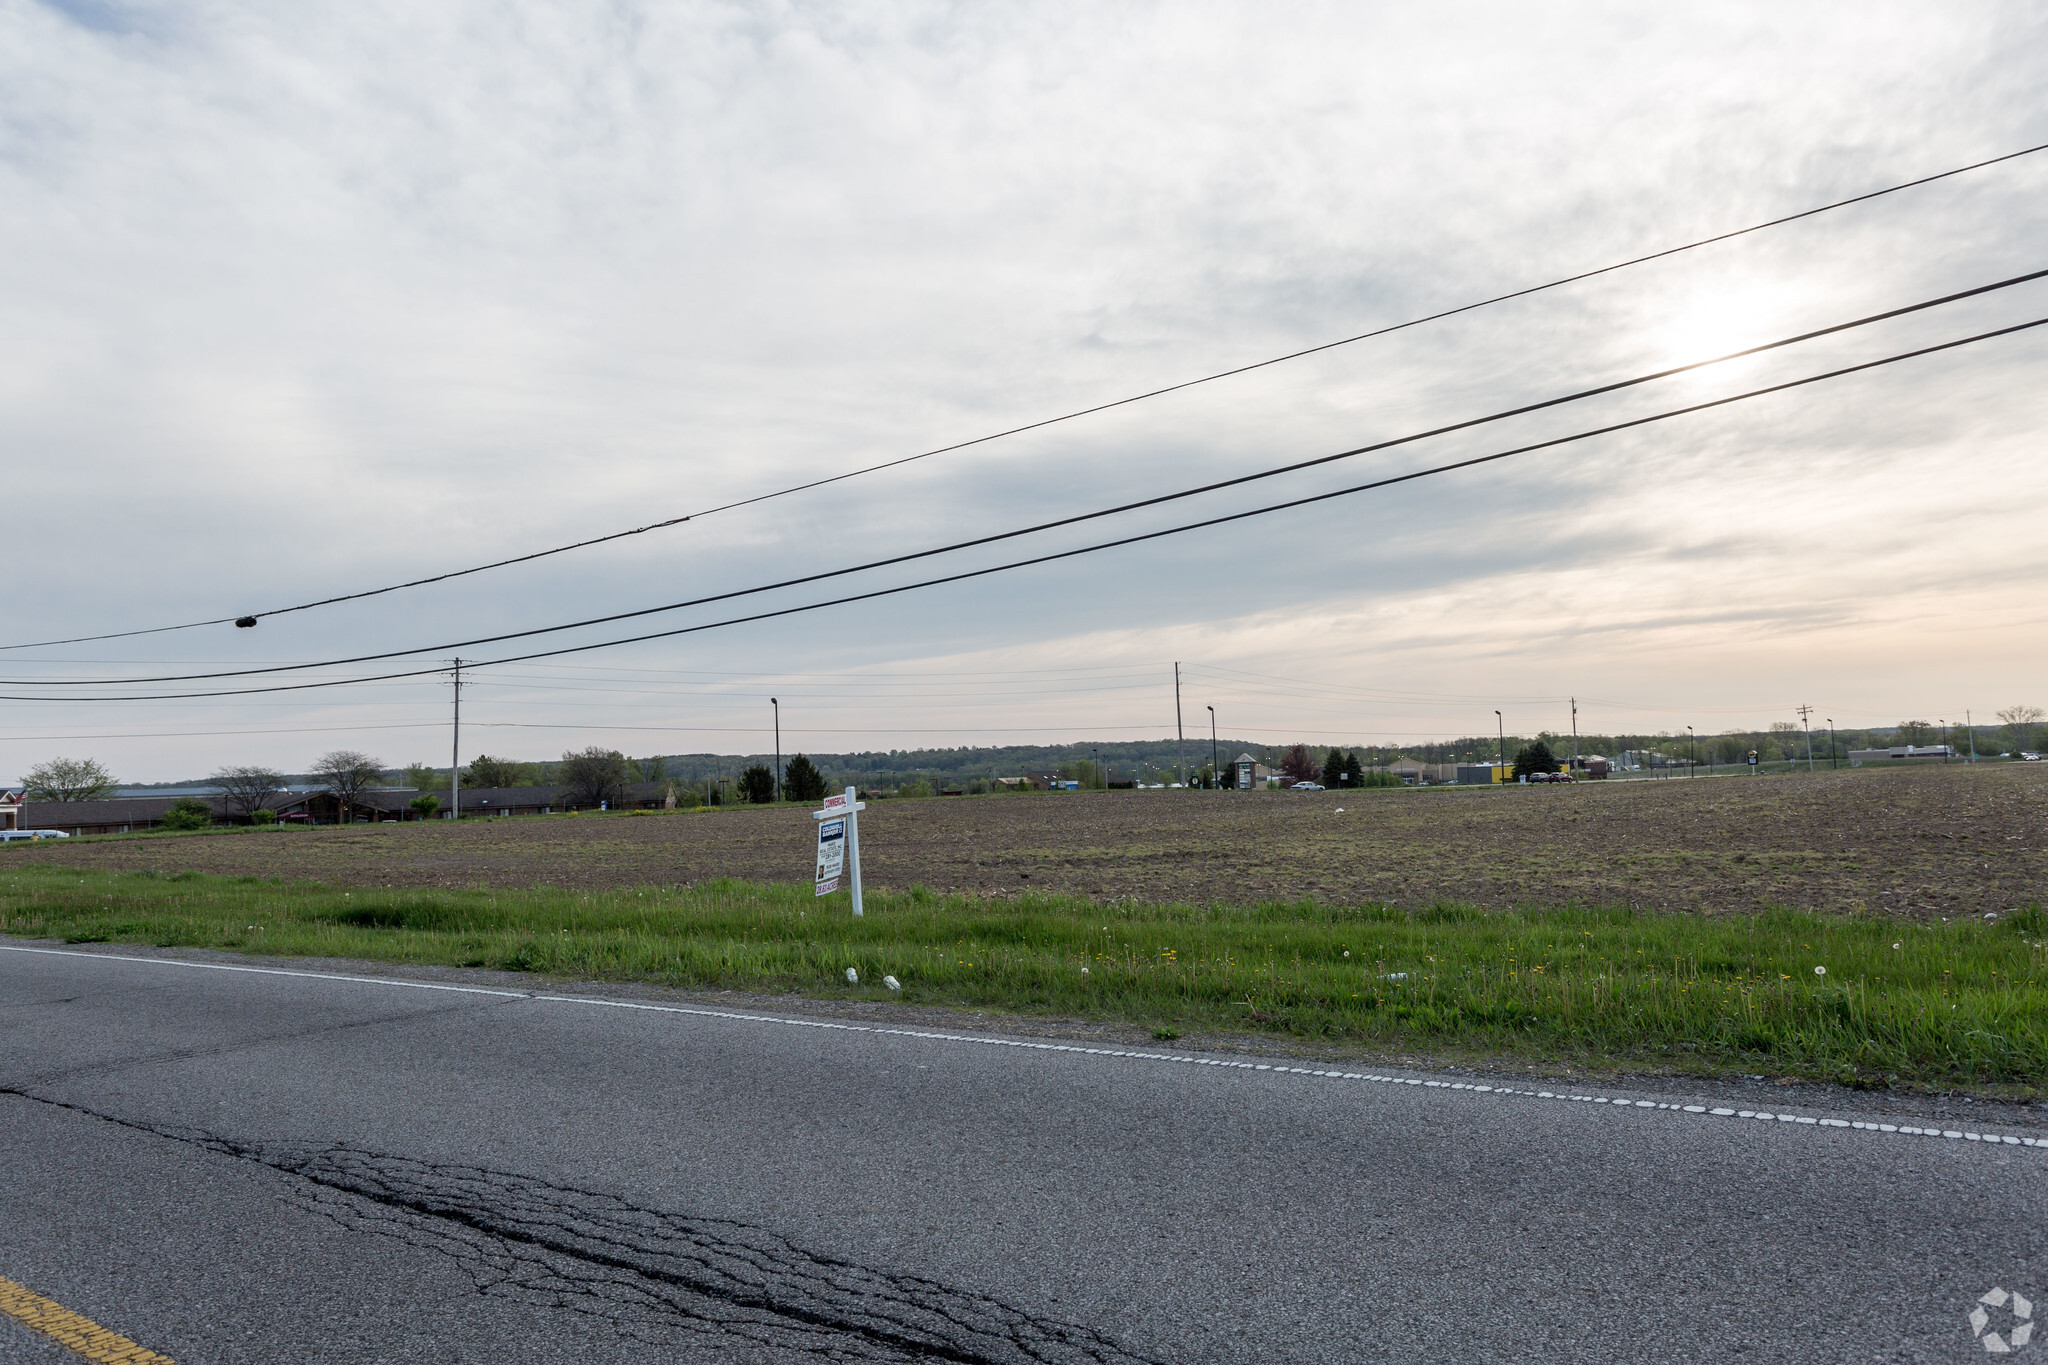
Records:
x=1831, y=743
x=777, y=706
x=1502, y=726
x=1692, y=753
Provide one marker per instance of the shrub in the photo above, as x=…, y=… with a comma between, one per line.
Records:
x=424, y=806
x=261, y=816
x=187, y=812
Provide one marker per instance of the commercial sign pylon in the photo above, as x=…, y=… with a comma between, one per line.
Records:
x=839, y=844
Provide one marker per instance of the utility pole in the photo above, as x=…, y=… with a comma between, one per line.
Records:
x=1944, y=741
x=1215, y=763
x=1575, y=734
x=1804, y=712
x=1692, y=753
x=455, y=753
x=1972, y=724
x=1831, y=743
x=1180, y=733
x=777, y=706
x=1503, y=727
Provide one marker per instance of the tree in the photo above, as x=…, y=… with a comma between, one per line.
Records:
x=1333, y=768
x=69, y=779
x=485, y=771
x=343, y=774
x=594, y=776
x=757, y=784
x=2018, y=721
x=421, y=777
x=424, y=805
x=801, y=780
x=1915, y=732
x=1300, y=765
x=1353, y=774
x=187, y=812
x=1534, y=758
x=246, y=789
x=654, y=769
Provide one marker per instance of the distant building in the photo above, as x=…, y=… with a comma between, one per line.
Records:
x=11, y=801
x=1413, y=772
x=1481, y=774
x=1939, y=753
x=1251, y=774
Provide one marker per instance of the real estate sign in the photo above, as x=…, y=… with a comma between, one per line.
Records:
x=831, y=854
x=839, y=843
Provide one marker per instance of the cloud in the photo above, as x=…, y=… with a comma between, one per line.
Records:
x=304, y=301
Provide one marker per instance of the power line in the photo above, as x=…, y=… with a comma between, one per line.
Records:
x=1056, y=556
x=1056, y=523
x=252, y=618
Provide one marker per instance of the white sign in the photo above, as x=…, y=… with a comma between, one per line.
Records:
x=839, y=843
x=831, y=854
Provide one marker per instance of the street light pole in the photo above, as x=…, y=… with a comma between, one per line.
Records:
x=1692, y=753
x=1831, y=743
x=1215, y=762
x=778, y=747
x=1502, y=726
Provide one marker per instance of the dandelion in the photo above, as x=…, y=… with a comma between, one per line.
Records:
x=1898, y=945
x=1820, y=971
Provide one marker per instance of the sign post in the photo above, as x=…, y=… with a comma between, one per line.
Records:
x=839, y=844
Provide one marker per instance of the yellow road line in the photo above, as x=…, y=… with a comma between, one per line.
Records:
x=79, y=1334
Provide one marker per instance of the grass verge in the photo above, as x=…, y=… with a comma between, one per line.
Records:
x=1861, y=1001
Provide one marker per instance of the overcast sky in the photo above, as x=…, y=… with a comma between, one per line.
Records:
x=299, y=300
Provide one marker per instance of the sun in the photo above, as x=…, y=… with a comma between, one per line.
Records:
x=1711, y=324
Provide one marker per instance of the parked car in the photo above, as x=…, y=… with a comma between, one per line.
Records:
x=1306, y=787
x=10, y=835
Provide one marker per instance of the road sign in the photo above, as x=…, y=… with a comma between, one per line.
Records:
x=831, y=854
x=839, y=843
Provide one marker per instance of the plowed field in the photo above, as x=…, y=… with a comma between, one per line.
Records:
x=1925, y=842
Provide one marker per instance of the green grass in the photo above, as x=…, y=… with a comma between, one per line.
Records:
x=1899, y=1004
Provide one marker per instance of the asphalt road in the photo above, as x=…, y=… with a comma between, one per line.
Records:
x=236, y=1166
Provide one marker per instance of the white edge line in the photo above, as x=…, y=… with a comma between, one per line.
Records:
x=1715, y=1111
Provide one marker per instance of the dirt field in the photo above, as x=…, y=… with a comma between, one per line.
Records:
x=1924, y=842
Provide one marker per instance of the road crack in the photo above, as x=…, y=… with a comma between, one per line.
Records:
x=656, y=1274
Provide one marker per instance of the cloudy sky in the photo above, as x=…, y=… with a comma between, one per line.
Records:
x=306, y=300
